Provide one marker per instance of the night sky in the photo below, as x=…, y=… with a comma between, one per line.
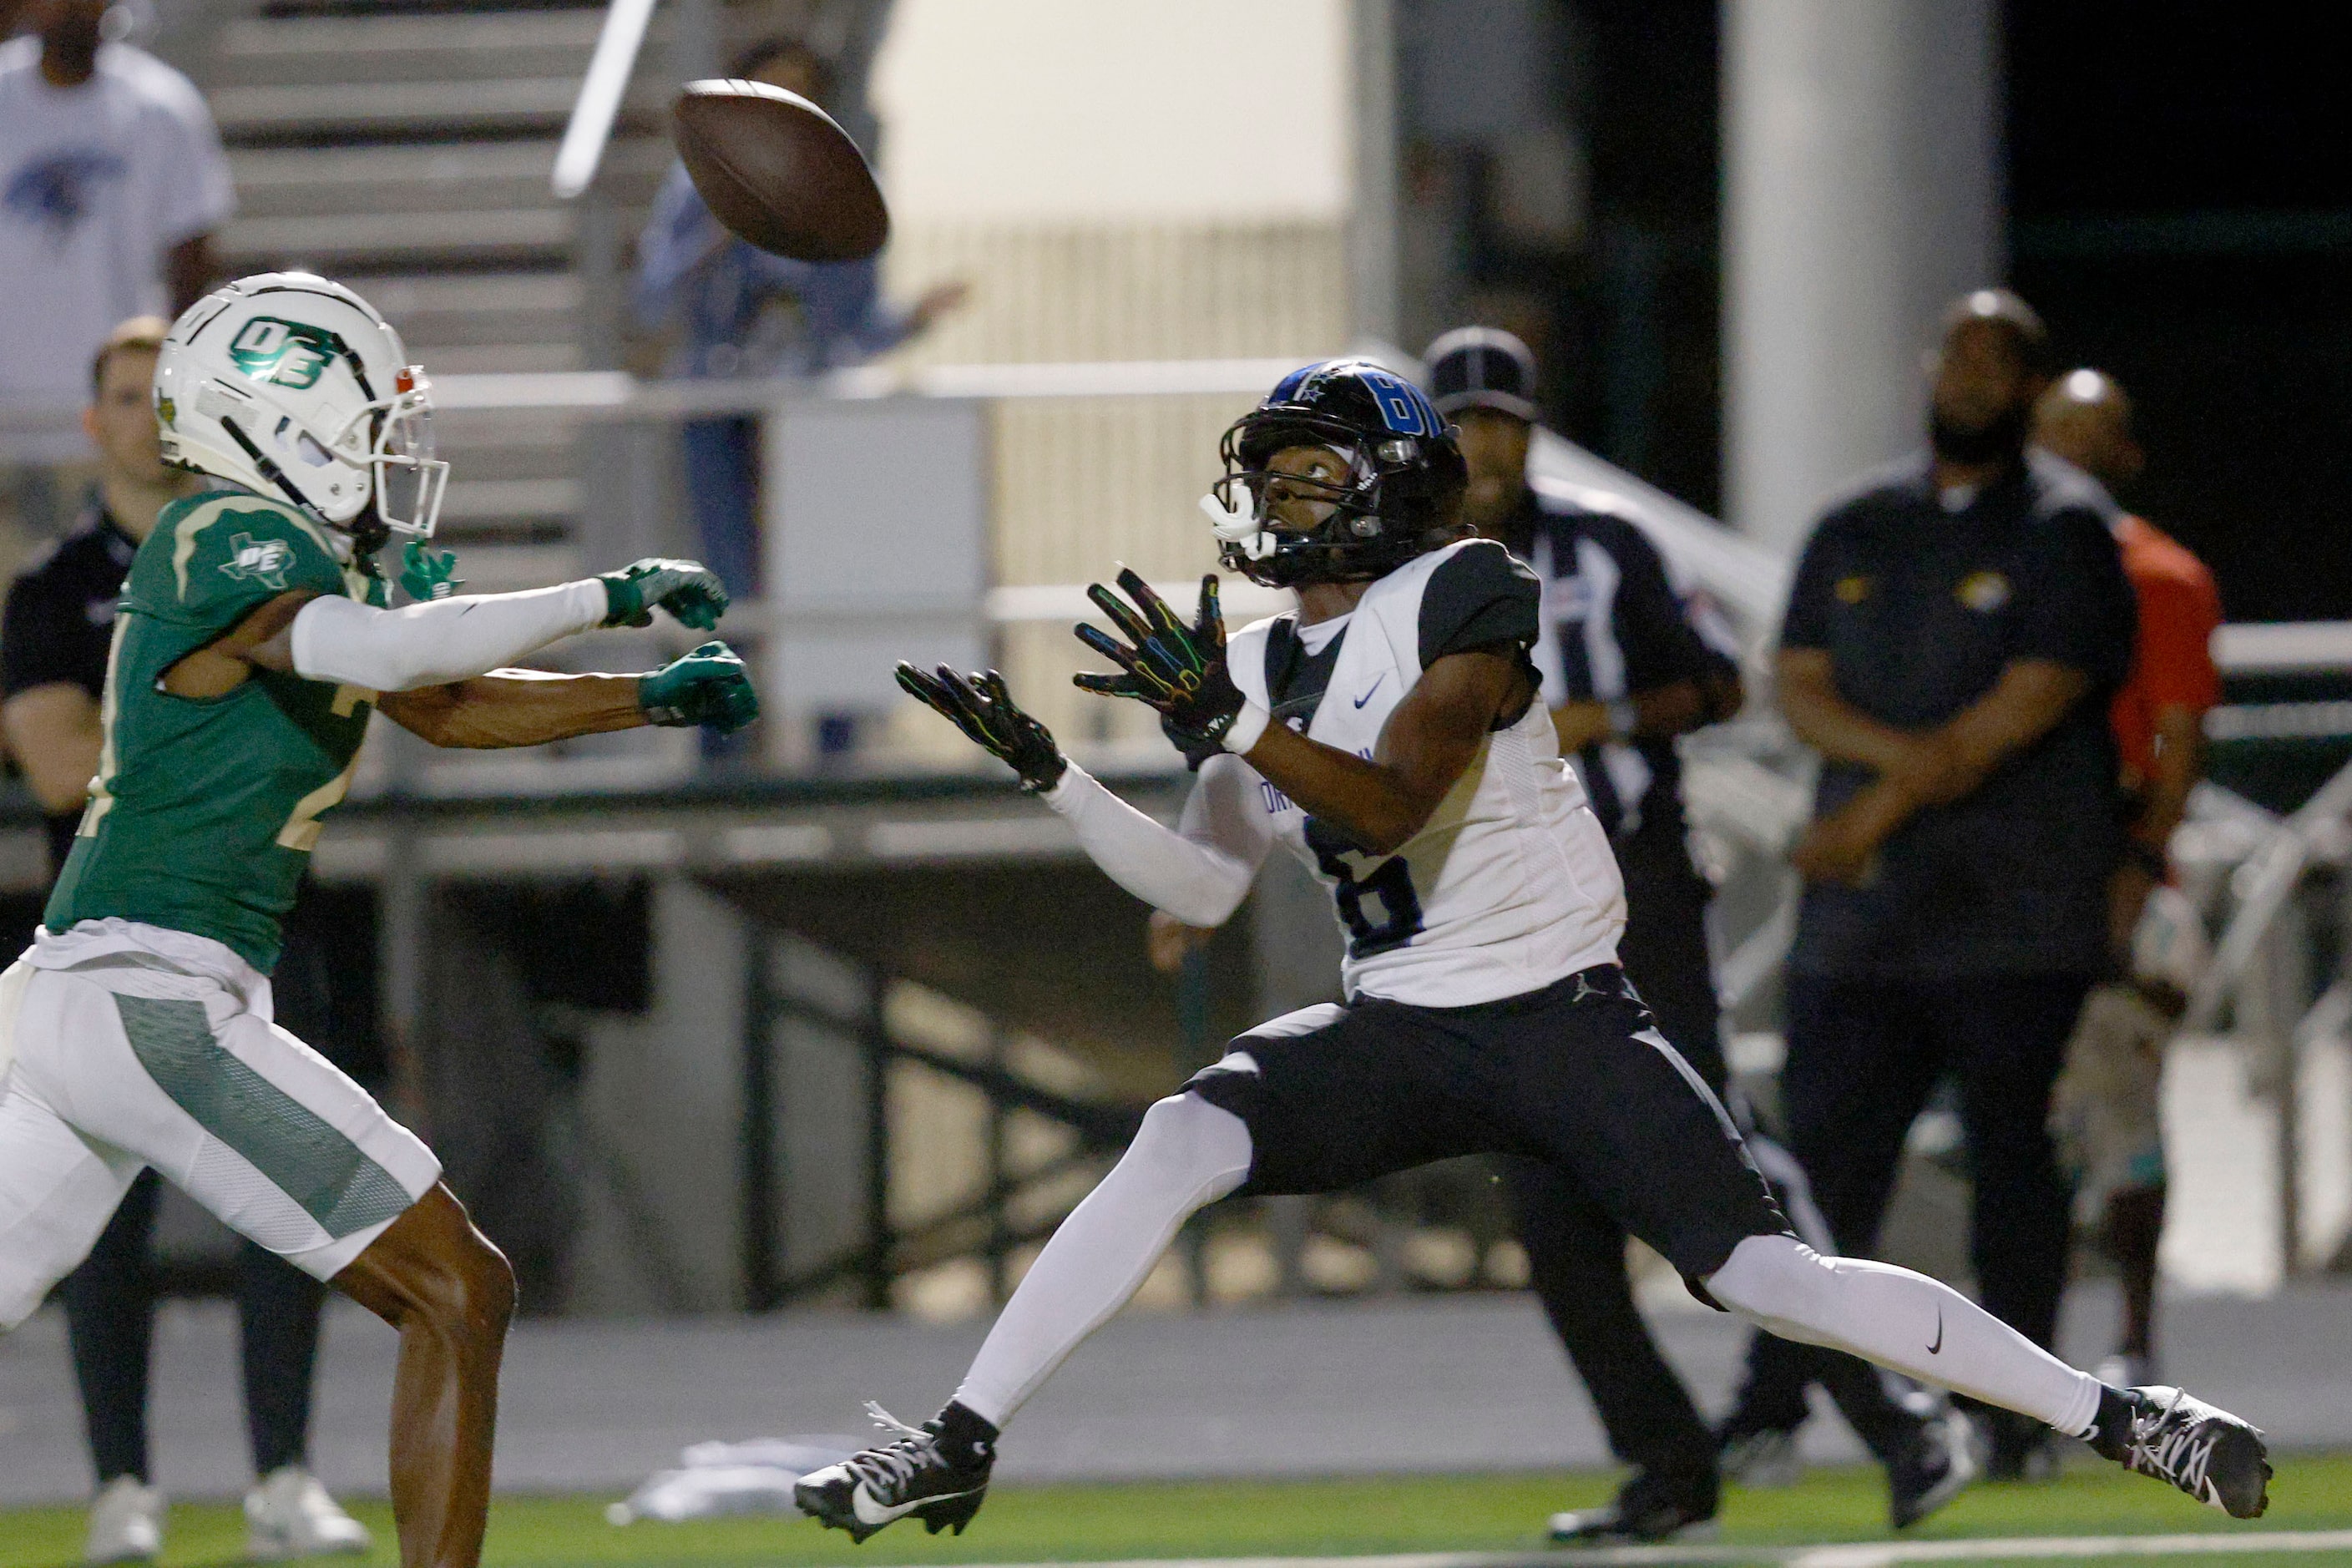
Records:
x=2181, y=209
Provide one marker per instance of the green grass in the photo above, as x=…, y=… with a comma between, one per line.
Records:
x=1417, y=1513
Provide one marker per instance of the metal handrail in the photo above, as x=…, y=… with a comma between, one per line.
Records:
x=2264, y=884
x=609, y=69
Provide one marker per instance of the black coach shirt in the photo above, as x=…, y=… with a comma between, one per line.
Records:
x=1921, y=607
x=59, y=624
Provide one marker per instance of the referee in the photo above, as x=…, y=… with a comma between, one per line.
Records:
x=53, y=651
x=1631, y=659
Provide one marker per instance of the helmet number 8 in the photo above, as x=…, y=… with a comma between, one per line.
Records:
x=1401, y=405
x=1388, y=883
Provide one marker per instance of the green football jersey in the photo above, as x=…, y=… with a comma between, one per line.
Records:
x=204, y=811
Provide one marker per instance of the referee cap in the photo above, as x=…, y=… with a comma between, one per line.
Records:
x=1481, y=367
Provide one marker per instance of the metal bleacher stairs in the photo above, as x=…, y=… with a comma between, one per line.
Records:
x=404, y=147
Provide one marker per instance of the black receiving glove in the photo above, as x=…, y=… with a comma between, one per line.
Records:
x=984, y=709
x=1177, y=669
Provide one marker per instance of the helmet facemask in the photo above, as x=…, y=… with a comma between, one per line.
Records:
x=1352, y=543
x=408, y=477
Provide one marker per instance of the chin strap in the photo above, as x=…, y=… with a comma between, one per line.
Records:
x=269, y=470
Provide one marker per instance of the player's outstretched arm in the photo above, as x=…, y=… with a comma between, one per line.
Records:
x=1428, y=744
x=331, y=639
x=1199, y=873
x=531, y=708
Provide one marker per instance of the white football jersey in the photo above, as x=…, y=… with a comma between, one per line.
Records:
x=1511, y=884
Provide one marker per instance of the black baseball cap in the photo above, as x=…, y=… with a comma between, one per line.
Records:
x=1481, y=367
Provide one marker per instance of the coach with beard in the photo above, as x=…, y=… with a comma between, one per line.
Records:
x=1957, y=629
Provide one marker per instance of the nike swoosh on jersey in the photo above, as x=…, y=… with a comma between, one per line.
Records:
x=1366, y=697
x=1938, y=1348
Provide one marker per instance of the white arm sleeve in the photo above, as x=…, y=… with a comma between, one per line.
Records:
x=1199, y=872
x=439, y=640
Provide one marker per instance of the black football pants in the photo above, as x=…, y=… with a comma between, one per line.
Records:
x=1576, y=1254
x=110, y=1304
x=1863, y=1058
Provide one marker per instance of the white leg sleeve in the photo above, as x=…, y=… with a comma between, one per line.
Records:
x=1915, y=1325
x=1188, y=1153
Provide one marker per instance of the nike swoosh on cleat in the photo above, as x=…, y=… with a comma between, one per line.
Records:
x=869, y=1511
x=1366, y=697
x=1938, y=1348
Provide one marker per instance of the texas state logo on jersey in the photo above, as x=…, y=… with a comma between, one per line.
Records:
x=1510, y=885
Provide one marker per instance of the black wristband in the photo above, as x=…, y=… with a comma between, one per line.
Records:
x=2147, y=858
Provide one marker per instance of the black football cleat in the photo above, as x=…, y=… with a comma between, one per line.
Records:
x=1931, y=1470
x=937, y=1472
x=1649, y=1508
x=2205, y=1451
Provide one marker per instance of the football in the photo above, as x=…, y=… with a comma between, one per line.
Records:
x=779, y=171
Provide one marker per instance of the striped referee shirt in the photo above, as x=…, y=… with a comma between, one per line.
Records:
x=1616, y=620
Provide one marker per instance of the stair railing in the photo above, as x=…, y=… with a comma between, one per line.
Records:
x=593, y=112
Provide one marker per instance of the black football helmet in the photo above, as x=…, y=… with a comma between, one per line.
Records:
x=1406, y=477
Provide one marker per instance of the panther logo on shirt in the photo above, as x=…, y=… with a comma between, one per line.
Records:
x=58, y=190
x=258, y=561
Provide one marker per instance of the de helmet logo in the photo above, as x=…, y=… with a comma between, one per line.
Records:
x=284, y=353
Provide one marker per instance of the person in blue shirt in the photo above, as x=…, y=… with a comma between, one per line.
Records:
x=718, y=294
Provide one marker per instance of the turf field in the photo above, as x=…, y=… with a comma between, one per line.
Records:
x=1304, y=1518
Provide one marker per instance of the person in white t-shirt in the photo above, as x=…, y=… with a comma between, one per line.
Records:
x=111, y=184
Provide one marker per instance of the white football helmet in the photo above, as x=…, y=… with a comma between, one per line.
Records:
x=293, y=387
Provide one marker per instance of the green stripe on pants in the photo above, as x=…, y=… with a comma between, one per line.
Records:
x=303, y=1157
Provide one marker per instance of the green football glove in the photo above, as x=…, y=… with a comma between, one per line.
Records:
x=687, y=589
x=984, y=709
x=709, y=686
x=1176, y=669
x=425, y=575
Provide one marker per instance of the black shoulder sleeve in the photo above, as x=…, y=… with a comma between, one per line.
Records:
x=1480, y=596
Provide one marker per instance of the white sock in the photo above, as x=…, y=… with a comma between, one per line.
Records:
x=1917, y=1326
x=1188, y=1153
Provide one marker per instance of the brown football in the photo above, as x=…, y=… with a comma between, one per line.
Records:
x=776, y=170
